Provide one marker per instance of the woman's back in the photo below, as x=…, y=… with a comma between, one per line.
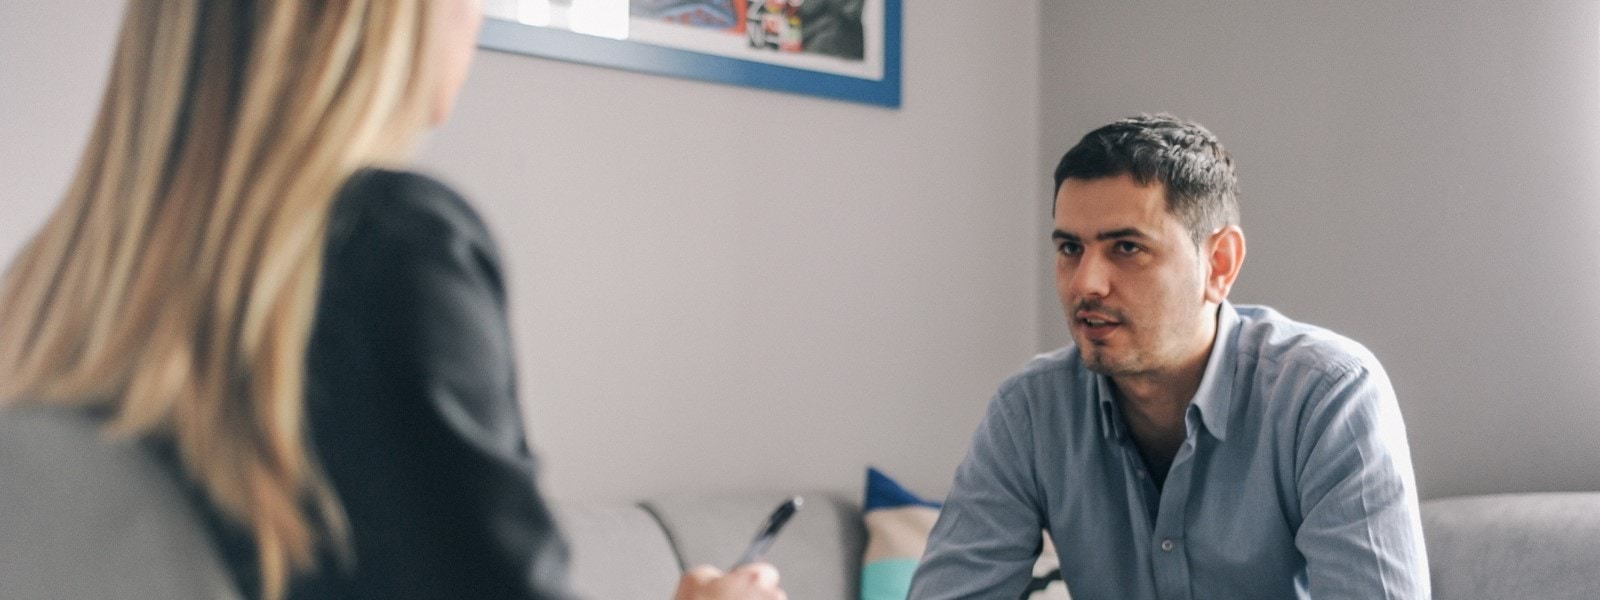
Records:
x=412, y=405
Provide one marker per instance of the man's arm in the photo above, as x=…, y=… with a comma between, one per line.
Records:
x=1361, y=533
x=988, y=533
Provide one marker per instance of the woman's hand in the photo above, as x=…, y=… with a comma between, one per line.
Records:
x=750, y=582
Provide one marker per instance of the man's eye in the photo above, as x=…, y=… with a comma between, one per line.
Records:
x=1127, y=248
x=1070, y=248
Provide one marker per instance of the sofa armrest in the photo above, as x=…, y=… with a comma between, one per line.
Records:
x=1543, y=546
x=618, y=551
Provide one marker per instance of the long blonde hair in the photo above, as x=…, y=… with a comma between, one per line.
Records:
x=175, y=284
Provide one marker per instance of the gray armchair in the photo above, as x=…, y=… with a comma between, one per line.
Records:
x=85, y=517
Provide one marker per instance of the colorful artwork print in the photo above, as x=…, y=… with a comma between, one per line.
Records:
x=710, y=14
x=843, y=49
x=775, y=25
x=827, y=27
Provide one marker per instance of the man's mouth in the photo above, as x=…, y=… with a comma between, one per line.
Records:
x=1096, y=325
x=1096, y=319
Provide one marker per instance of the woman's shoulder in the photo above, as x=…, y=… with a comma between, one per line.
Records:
x=395, y=228
x=405, y=204
x=400, y=210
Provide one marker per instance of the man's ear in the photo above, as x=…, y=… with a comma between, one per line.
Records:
x=1225, y=256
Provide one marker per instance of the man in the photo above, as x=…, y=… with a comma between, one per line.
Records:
x=1181, y=447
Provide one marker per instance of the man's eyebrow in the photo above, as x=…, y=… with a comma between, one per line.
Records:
x=1126, y=232
x=1064, y=236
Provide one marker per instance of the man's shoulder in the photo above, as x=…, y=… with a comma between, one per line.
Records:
x=1051, y=395
x=1046, y=377
x=1273, y=341
x=1058, y=364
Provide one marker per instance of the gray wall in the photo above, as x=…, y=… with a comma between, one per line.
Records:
x=1421, y=176
x=713, y=287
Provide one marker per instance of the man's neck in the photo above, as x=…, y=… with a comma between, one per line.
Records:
x=1160, y=396
x=1170, y=390
x=1153, y=411
x=1153, y=404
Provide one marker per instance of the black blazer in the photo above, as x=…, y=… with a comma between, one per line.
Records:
x=412, y=407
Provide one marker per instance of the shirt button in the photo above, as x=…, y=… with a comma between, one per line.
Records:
x=1167, y=545
x=1139, y=473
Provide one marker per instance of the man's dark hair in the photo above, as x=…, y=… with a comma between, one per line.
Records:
x=1196, y=171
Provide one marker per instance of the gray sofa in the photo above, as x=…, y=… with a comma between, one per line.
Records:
x=1503, y=547
x=82, y=519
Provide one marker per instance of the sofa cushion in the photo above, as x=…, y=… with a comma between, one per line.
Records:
x=618, y=551
x=818, y=553
x=1543, y=546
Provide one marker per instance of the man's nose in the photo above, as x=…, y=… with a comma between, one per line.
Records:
x=1092, y=278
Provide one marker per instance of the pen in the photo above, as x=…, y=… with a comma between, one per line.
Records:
x=769, y=531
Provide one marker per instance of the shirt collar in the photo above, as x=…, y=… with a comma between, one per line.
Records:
x=1213, y=399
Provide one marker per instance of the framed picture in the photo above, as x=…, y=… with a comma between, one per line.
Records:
x=841, y=49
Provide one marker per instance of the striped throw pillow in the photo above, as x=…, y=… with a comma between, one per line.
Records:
x=898, y=523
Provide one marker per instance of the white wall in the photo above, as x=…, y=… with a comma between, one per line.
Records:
x=714, y=287
x=53, y=62
x=1421, y=176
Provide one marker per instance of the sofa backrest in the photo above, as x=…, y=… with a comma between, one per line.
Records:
x=82, y=516
x=1513, y=546
x=818, y=554
x=624, y=551
x=1544, y=546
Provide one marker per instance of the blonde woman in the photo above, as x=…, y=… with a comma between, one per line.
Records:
x=240, y=275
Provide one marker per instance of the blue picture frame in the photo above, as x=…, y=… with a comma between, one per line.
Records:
x=560, y=44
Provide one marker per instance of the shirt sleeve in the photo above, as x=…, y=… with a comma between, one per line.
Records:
x=414, y=410
x=1361, y=533
x=988, y=534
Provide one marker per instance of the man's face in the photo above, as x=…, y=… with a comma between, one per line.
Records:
x=1131, y=280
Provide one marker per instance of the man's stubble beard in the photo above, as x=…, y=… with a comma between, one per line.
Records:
x=1095, y=359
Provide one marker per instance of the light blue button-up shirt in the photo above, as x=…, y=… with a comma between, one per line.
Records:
x=1294, y=481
